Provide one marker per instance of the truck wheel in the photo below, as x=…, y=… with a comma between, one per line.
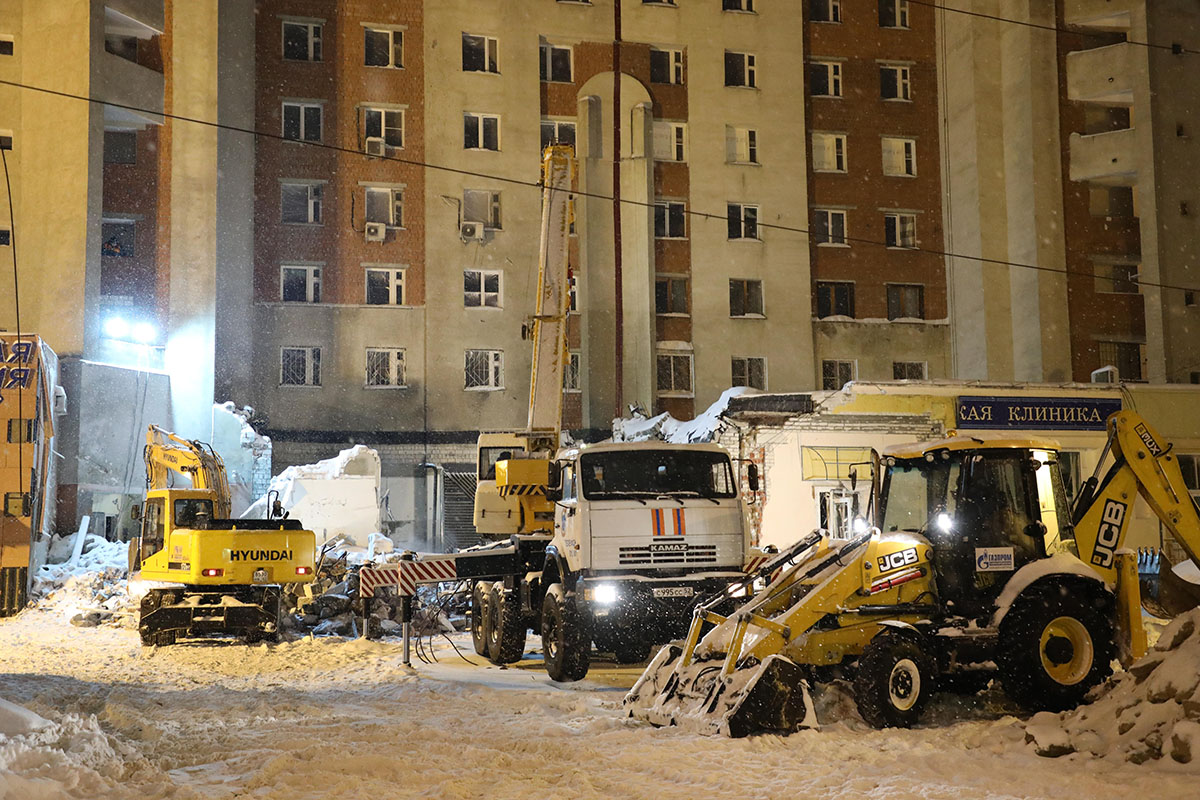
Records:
x=1055, y=644
x=479, y=618
x=506, y=634
x=566, y=645
x=896, y=676
x=630, y=647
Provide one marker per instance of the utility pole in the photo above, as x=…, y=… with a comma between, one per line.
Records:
x=619, y=300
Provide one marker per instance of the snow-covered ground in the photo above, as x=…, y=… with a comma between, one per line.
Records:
x=319, y=718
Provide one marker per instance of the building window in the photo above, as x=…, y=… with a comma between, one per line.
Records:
x=6, y=46
x=483, y=207
x=895, y=82
x=384, y=47
x=829, y=152
x=737, y=5
x=1116, y=278
x=481, y=132
x=120, y=147
x=899, y=156
x=674, y=373
x=5, y=237
x=301, y=203
x=555, y=132
x=825, y=79
x=556, y=63
x=745, y=298
x=829, y=226
x=669, y=218
x=385, y=205
x=900, y=230
x=481, y=288
x=571, y=372
x=670, y=141
x=666, y=66
x=658, y=2
x=480, y=53
x=906, y=301
x=300, y=284
x=836, y=374
x=908, y=370
x=750, y=372
x=835, y=299
x=743, y=221
x=301, y=41
x=671, y=296
x=484, y=369
x=740, y=70
x=384, y=123
x=1127, y=357
x=300, y=366
x=302, y=121
x=741, y=145
x=385, y=367
x=825, y=10
x=117, y=238
x=893, y=13
x=385, y=287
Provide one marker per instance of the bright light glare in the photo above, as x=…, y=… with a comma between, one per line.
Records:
x=116, y=328
x=944, y=521
x=860, y=525
x=606, y=594
x=144, y=332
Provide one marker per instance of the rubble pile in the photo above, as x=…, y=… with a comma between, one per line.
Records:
x=1148, y=713
x=93, y=590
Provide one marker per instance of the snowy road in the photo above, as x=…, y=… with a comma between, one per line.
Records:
x=333, y=718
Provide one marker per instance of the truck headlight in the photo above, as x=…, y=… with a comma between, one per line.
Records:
x=605, y=594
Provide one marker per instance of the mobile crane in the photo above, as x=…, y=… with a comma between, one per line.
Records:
x=226, y=575
x=975, y=559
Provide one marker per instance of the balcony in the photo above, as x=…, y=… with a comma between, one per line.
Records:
x=1105, y=15
x=1105, y=158
x=1103, y=75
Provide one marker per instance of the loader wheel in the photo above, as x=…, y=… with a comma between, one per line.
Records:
x=896, y=676
x=479, y=618
x=1056, y=643
x=566, y=643
x=506, y=627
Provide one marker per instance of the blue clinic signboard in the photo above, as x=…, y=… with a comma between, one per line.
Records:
x=1036, y=413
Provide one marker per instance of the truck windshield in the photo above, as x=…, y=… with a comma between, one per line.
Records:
x=914, y=490
x=636, y=474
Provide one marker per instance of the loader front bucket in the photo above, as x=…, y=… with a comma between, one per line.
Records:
x=770, y=697
x=1164, y=593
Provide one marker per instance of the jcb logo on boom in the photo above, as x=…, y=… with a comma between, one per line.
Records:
x=1109, y=534
x=898, y=559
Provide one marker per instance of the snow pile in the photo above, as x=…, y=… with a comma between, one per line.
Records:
x=703, y=428
x=1149, y=713
x=335, y=497
x=94, y=588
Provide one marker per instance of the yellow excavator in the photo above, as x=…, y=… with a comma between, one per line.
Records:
x=225, y=575
x=976, y=562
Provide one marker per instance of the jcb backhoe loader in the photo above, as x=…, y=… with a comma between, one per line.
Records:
x=975, y=559
x=226, y=574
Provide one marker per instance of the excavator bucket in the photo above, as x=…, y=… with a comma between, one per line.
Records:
x=1164, y=593
x=773, y=696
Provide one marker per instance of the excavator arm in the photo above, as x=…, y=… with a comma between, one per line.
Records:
x=166, y=453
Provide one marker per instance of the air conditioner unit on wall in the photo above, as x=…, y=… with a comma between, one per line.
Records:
x=376, y=146
x=375, y=232
x=1107, y=374
x=471, y=231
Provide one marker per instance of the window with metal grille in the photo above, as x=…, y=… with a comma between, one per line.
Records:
x=908, y=370
x=742, y=220
x=1127, y=357
x=745, y=298
x=385, y=286
x=301, y=41
x=484, y=369
x=674, y=373
x=385, y=366
x=571, y=372
x=750, y=372
x=481, y=288
x=671, y=295
x=835, y=299
x=836, y=374
x=906, y=300
x=383, y=47
x=300, y=366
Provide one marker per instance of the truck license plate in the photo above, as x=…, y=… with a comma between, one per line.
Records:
x=261, y=576
x=674, y=591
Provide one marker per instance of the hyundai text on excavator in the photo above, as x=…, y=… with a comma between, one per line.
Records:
x=226, y=575
x=975, y=562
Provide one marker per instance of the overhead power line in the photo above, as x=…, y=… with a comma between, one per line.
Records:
x=538, y=186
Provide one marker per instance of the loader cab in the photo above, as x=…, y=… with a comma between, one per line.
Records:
x=987, y=511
